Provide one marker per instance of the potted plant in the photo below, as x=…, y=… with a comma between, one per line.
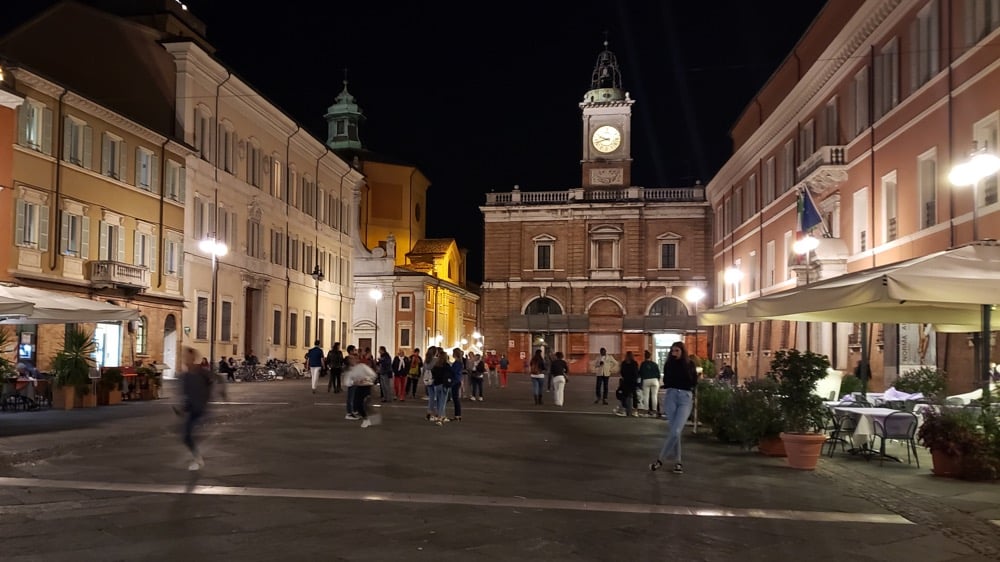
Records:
x=149, y=382
x=960, y=446
x=71, y=367
x=109, y=387
x=797, y=374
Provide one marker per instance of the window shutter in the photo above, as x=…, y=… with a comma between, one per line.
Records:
x=102, y=252
x=67, y=148
x=19, y=223
x=105, y=154
x=43, y=227
x=88, y=147
x=22, y=124
x=179, y=260
x=137, y=249
x=64, y=232
x=181, y=181
x=121, y=244
x=152, y=254
x=85, y=238
x=914, y=56
x=138, y=167
x=199, y=213
x=154, y=173
x=122, y=160
x=47, y=131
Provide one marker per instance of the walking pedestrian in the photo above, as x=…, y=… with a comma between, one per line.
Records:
x=604, y=366
x=491, y=368
x=441, y=378
x=504, y=365
x=384, y=369
x=197, y=384
x=476, y=377
x=361, y=378
x=335, y=366
x=679, y=378
x=316, y=362
x=352, y=355
x=536, y=367
x=458, y=374
x=413, y=375
x=649, y=373
x=559, y=370
x=628, y=384
x=400, y=370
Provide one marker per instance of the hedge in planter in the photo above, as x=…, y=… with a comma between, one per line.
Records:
x=967, y=442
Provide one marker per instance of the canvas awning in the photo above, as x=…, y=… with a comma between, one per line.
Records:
x=945, y=288
x=735, y=313
x=51, y=307
x=13, y=307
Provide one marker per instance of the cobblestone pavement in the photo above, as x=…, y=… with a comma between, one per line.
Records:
x=286, y=477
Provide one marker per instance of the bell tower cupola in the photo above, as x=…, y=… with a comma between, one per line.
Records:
x=607, y=126
x=343, y=119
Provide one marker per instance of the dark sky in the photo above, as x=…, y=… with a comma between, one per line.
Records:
x=483, y=96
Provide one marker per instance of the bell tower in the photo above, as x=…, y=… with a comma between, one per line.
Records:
x=344, y=119
x=607, y=126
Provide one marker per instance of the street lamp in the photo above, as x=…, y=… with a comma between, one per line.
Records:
x=215, y=248
x=376, y=295
x=317, y=274
x=694, y=296
x=804, y=247
x=981, y=165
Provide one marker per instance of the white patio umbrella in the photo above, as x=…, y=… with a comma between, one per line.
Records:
x=51, y=307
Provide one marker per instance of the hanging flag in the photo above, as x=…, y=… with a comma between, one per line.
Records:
x=809, y=216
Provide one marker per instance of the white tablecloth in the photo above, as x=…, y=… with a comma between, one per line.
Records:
x=866, y=421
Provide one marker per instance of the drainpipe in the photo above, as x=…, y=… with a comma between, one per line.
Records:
x=288, y=188
x=163, y=176
x=340, y=287
x=61, y=154
x=409, y=222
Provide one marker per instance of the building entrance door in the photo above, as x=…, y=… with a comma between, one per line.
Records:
x=662, y=343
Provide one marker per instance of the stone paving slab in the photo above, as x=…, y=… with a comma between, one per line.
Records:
x=512, y=480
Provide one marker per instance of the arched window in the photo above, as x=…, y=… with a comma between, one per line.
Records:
x=142, y=336
x=668, y=306
x=543, y=305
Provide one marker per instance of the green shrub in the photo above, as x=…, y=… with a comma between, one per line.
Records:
x=927, y=380
x=754, y=413
x=797, y=374
x=849, y=384
x=713, y=399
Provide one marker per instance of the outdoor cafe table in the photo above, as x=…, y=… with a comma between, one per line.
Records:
x=866, y=422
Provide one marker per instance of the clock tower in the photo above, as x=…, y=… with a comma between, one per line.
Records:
x=607, y=126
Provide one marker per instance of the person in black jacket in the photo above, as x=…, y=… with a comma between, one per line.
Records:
x=628, y=384
x=335, y=366
x=680, y=379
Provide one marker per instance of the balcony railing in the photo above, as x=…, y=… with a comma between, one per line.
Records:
x=118, y=274
x=826, y=165
x=628, y=194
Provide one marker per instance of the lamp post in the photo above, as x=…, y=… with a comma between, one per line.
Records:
x=804, y=247
x=216, y=249
x=376, y=295
x=317, y=274
x=980, y=165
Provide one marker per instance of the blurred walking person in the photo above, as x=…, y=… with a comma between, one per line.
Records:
x=504, y=365
x=361, y=378
x=197, y=384
x=679, y=378
x=335, y=365
x=316, y=362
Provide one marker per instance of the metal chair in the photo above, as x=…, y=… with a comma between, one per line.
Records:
x=841, y=428
x=901, y=426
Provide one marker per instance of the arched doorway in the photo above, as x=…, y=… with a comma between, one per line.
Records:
x=668, y=308
x=170, y=341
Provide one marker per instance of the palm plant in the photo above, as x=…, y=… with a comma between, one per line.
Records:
x=72, y=365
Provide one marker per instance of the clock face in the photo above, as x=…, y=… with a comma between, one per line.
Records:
x=606, y=138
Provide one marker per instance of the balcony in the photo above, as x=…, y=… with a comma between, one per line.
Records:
x=113, y=274
x=695, y=193
x=827, y=167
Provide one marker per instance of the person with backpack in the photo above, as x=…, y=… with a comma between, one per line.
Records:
x=335, y=366
x=414, y=368
x=476, y=376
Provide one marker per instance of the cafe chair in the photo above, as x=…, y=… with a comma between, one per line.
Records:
x=900, y=426
x=841, y=429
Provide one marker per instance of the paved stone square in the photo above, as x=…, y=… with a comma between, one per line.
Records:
x=286, y=477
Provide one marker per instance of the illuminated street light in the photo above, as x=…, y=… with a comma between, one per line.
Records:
x=981, y=165
x=215, y=248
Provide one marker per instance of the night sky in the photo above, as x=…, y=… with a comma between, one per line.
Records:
x=483, y=96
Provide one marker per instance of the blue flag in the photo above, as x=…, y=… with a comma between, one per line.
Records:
x=809, y=216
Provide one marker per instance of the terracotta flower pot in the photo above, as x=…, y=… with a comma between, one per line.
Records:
x=772, y=447
x=803, y=449
x=946, y=465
